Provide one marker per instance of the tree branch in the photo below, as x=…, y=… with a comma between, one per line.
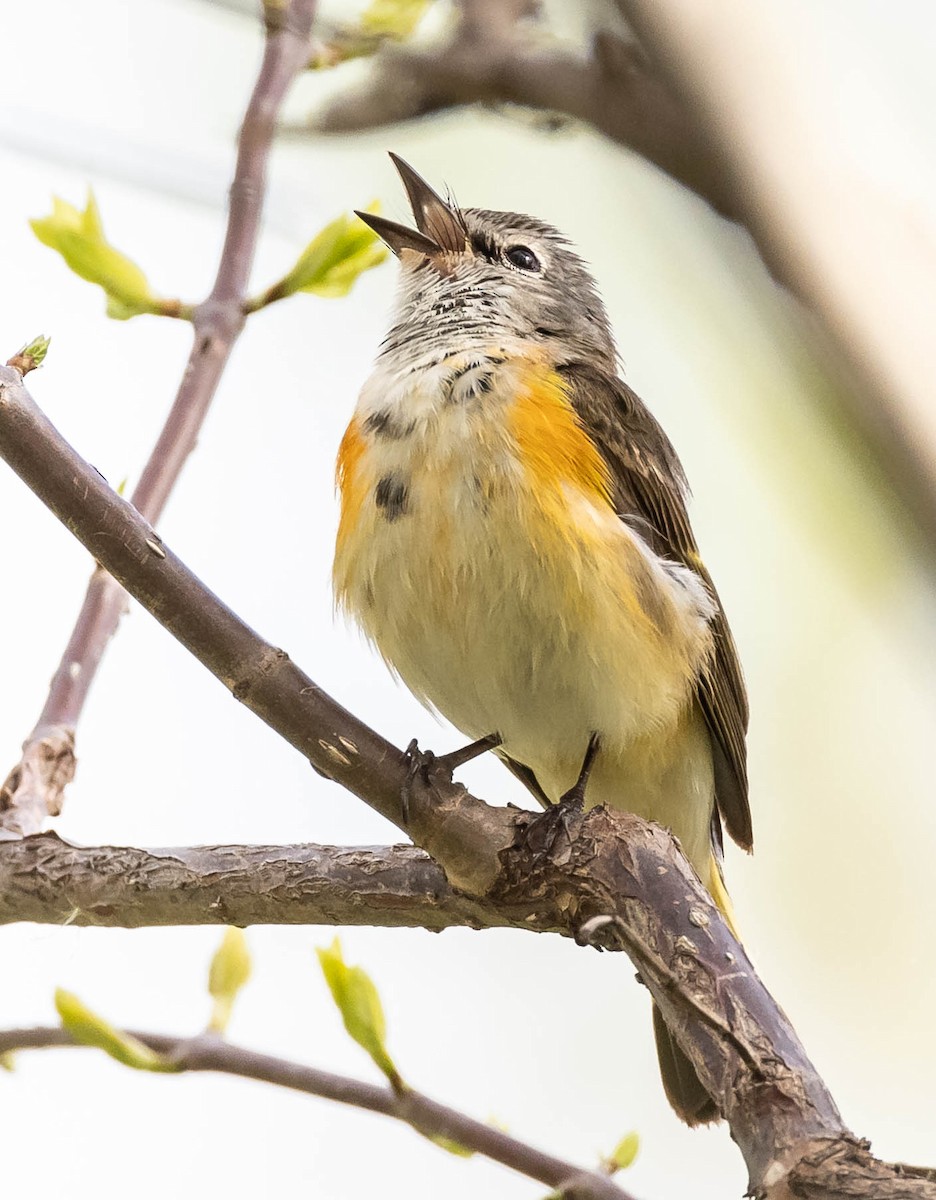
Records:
x=34, y=788
x=616, y=881
x=49, y=881
x=433, y=1120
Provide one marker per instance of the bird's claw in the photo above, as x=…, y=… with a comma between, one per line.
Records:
x=424, y=764
x=555, y=824
x=559, y=818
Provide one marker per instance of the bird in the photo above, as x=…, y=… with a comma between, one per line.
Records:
x=513, y=538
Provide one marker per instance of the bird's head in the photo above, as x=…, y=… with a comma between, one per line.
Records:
x=471, y=277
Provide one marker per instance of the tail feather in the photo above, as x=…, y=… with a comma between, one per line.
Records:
x=689, y=1099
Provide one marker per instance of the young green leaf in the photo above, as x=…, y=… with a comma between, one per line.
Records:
x=359, y=1004
x=32, y=355
x=229, y=971
x=79, y=238
x=344, y=274
x=331, y=263
x=381, y=21
x=623, y=1153
x=89, y=1029
x=8, y=1060
x=393, y=18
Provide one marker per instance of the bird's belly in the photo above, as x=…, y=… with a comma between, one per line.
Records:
x=543, y=619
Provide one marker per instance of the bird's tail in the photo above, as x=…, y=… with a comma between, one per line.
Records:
x=684, y=1090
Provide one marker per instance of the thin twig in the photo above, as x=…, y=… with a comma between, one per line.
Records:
x=426, y=1116
x=644, y=957
x=34, y=788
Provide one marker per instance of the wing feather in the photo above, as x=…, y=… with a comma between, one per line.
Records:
x=650, y=485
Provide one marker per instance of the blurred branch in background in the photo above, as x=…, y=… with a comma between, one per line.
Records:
x=612, y=881
x=500, y=54
x=34, y=788
x=711, y=97
x=861, y=259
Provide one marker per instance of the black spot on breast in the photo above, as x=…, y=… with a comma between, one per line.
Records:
x=384, y=424
x=391, y=496
x=463, y=371
x=480, y=386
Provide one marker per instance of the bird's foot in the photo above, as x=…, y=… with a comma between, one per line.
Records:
x=575, y=796
x=551, y=831
x=423, y=763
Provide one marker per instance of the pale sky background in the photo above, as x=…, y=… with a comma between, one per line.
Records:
x=832, y=608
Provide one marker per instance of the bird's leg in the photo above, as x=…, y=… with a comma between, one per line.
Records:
x=421, y=762
x=457, y=758
x=575, y=796
x=547, y=826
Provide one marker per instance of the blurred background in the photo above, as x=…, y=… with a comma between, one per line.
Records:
x=828, y=586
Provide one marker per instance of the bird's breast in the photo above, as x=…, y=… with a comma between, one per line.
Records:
x=479, y=549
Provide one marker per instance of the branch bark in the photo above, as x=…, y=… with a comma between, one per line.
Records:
x=49, y=881
x=34, y=788
x=613, y=880
x=428, y=1117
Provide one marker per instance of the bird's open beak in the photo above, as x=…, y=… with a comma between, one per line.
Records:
x=439, y=228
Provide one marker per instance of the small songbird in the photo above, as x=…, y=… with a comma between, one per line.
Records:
x=514, y=540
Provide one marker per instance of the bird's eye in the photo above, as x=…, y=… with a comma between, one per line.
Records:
x=522, y=257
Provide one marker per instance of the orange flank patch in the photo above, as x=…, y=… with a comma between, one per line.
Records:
x=561, y=461
x=348, y=478
x=554, y=448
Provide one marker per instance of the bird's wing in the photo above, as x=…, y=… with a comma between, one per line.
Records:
x=649, y=483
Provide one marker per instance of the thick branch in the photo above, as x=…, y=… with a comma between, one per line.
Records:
x=616, y=881
x=47, y=880
x=34, y=788
x=426, y=1116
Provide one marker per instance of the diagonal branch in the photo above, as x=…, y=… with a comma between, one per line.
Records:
x=259, y=675
x=433, y=1120
x=34, y=788
x=613, y=875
